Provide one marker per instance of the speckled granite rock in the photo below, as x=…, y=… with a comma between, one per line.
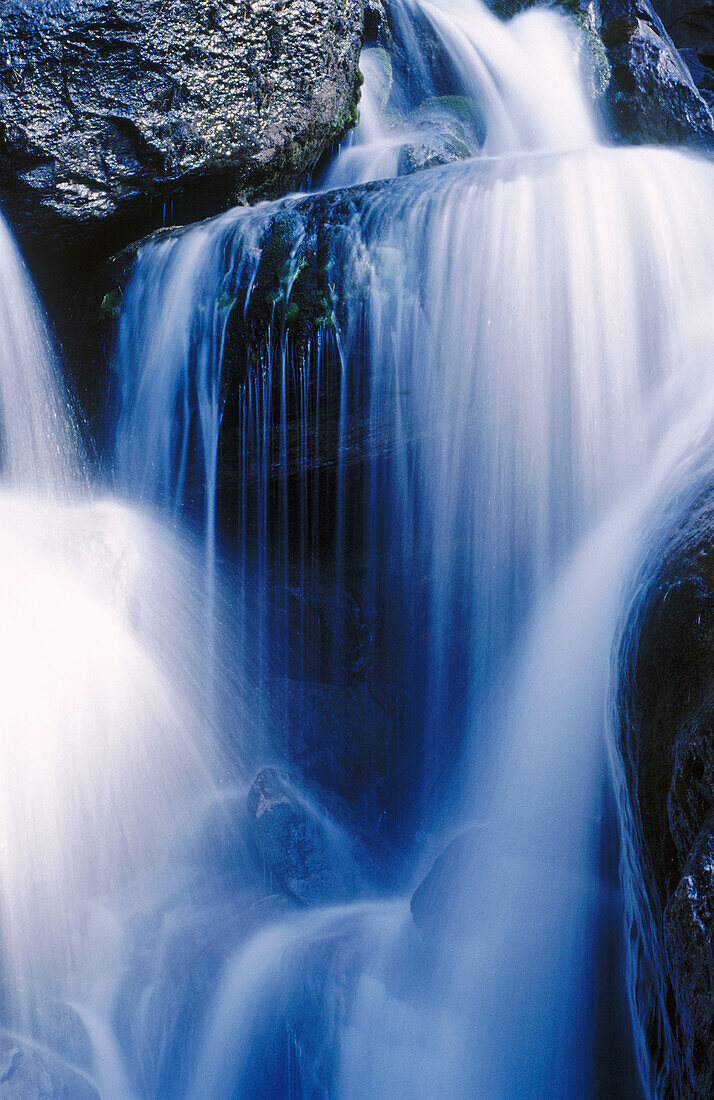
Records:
x=117, y=107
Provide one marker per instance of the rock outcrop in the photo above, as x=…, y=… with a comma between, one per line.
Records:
x=665, y=711
x=136, y=111
x=651, y=94
x=691, y=25
x=688, y=930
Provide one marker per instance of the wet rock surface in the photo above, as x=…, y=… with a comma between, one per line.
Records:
x=633, y=65
x=306, y=852
x=339, y=736
x=689, y=938
x=691, y=26
x=651, y=94
x=450, y=129
x=27, y=1074
x=111, y=109
x=666, y=742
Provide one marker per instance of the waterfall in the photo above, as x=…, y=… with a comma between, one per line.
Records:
x=499, y=381
x=381, y=459
x=100, y=708
x=39, y=443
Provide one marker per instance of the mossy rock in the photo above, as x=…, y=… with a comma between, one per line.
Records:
x=457, y=109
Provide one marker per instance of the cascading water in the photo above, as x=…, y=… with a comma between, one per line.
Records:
x=463, y=441
x=100, y=708
x=503, y=346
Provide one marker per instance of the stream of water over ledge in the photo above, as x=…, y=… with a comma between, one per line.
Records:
x=306, y=788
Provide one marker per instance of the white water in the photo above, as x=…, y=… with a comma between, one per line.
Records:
x=528, y=326
x=522, y=78
x=100, y=720
x=39, y=448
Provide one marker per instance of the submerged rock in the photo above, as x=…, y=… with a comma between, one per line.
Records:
x=26, y=1074
x=110, y=110
x=437, y=894
x=63, y=1031
x=303, y=849
x=451, y=128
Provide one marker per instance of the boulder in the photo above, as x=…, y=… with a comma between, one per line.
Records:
x=339, y=737
x=121, y=111
x=691, y=793
x=651, y=94
x=450, y=128
x=629, y=59
x=665, y=726
x=691, y=25
x=303, y=849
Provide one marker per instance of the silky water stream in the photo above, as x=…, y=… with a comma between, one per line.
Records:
x=410, y=530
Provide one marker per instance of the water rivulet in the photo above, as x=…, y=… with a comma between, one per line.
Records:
x=416, y=429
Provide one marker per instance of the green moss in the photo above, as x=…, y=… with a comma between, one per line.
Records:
x=506, y=9
x=457, y=109
x=225, y=301
x=111, y=306
x=348, y=118
x=325, y=317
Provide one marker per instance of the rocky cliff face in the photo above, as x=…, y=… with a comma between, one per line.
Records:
x=651, y=93
x=665, y=711
x=116, y=111
x=691, y=25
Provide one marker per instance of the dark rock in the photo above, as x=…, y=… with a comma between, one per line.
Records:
x=689, y=938
x=329, y=637
x=303, y=849
x=691, y=25
x=26, y=1074
x=651, y=94
x=691, y=794
x=339, y=737
x=376, y=24
x=702, y=74
x=629, y=58
x=110, y=108
x=665, y=715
